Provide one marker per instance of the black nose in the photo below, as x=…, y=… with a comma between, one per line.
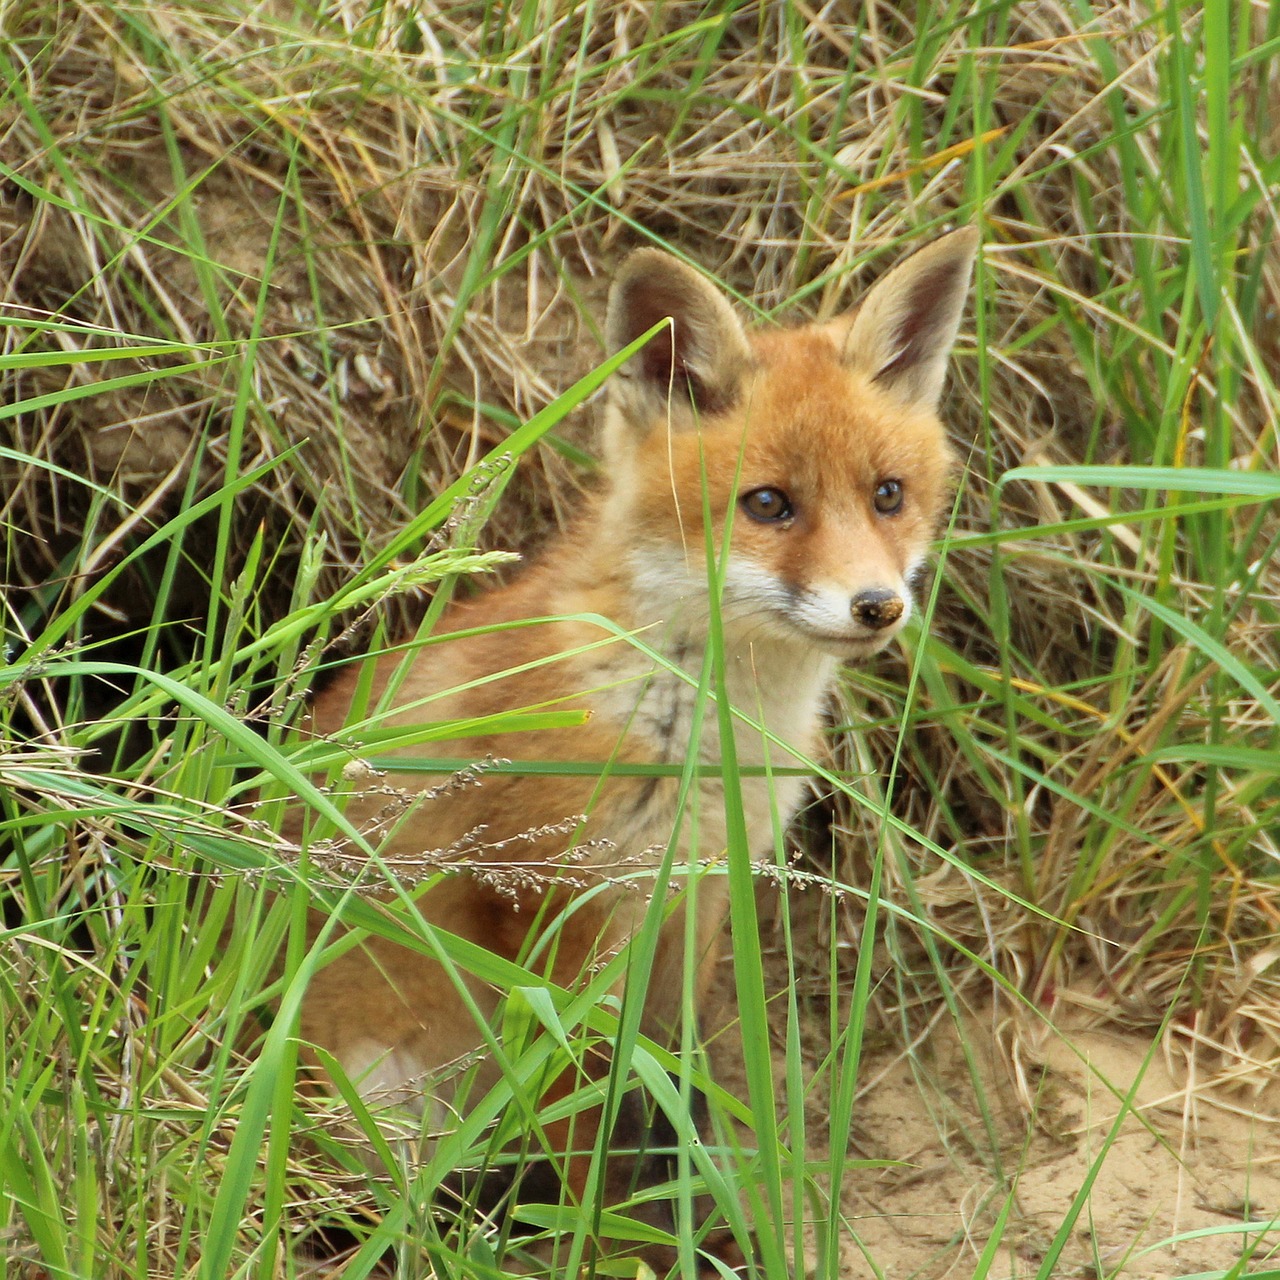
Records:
x=877, y=608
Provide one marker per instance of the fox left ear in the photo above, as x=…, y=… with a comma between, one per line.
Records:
x=902, y=333
x=696, y=362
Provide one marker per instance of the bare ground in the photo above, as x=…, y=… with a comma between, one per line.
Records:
x=1168, y=1189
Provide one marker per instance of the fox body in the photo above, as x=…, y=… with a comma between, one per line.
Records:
x=817, y=458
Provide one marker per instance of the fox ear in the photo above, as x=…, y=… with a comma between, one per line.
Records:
x=901, y=334
x=697, y=362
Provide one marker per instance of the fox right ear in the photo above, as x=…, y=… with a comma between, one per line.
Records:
x=693, y=366
x=901, y=334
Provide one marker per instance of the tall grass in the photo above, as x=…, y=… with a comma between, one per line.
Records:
x=289, y=297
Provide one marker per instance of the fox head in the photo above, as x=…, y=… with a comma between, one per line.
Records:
x=819, y=449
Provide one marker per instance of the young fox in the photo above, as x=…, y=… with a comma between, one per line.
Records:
x=817, y=455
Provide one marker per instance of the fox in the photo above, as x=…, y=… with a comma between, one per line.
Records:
x=779, y=487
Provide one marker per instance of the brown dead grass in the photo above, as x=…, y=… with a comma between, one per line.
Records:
x=177, y=166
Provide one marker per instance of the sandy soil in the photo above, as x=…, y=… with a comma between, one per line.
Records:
x=1187, y=1167
x=1168, y=1197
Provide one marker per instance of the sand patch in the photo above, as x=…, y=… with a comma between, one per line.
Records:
x=1171, y=1186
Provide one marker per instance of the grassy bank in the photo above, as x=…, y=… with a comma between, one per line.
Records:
x=292, y=307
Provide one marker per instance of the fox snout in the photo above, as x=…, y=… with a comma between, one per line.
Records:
x=877, y=608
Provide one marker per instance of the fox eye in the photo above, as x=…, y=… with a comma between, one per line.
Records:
x=767, y=505
x=888, y=497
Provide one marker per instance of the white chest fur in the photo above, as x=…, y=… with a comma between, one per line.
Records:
x=777, y=692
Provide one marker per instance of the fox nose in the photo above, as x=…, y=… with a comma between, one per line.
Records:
x=877, y=608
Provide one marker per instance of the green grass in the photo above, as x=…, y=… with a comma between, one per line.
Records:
x=1069, y=780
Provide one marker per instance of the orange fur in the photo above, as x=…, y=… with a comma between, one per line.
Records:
x=706, y=414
